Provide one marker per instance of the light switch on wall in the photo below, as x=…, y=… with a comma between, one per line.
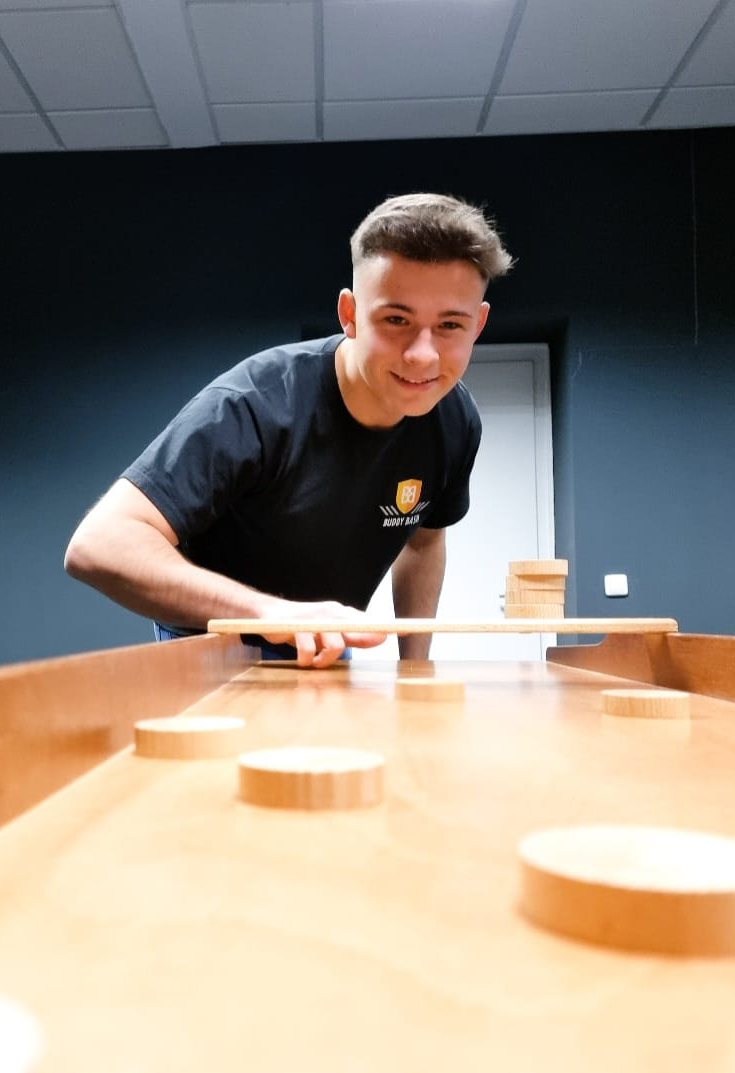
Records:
x=616, y=584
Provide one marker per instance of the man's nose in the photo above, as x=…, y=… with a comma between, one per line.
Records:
x=421, y=347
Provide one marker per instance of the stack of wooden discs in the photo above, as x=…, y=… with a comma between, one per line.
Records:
x=535, y=588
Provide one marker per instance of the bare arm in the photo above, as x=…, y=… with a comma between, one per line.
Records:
x=417, y=576
x=125, y=548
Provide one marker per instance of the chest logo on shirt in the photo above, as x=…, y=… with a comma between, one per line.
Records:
x=408, y=495
x=408, y=505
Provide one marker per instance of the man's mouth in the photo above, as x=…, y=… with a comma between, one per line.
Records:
x=417, y=382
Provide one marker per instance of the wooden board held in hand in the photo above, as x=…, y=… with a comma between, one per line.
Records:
x=405, y=626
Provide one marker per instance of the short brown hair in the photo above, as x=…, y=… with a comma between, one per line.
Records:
x=434, y=228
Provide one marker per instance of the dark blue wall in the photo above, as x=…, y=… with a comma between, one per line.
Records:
x=136, y=277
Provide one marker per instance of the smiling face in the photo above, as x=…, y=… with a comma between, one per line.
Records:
x=409, y=327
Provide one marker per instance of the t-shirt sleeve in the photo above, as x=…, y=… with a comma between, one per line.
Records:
x=208, y=455
x=454, y=502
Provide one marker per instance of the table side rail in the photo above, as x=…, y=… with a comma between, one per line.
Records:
x=61, y=717
x=695, y=662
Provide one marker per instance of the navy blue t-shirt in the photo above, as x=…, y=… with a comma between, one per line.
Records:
x=267, y=478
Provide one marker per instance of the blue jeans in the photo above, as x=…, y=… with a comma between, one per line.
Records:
x=267, y=651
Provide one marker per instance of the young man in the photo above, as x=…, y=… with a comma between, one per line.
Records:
x=290, y=485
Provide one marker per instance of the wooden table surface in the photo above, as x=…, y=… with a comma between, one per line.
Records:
x=154, y=923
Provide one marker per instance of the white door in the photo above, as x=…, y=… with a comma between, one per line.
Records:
x=511, y=511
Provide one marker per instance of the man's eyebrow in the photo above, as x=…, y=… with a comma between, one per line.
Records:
x=408, y=309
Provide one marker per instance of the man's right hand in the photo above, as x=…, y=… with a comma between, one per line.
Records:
x=125, y=548
x=318, y=650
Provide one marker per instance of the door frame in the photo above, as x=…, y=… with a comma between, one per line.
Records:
x=538, y=355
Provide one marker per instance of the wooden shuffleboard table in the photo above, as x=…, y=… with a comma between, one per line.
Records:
x=152, y=922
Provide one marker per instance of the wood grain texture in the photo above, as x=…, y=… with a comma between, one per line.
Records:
x=646, y=703
x=515, y=594
x=149, y=915
x=189, y=737
x=549, y=568
x=61, y=717
x=697, y=663
x=429, y=689
x=650, y=889
x=556, y=583
x=309, y=777
x=692, y=662
x=529, y=610
x=404, y=626
x=626, y=655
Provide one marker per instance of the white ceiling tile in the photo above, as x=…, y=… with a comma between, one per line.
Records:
x=163, y=45
x=13, y=98
x=118, y=73
x=712, y=106
x=193, y=3
x=74, y=59
x=134, y=127
x=44, y=5
x=256, y=52
x=556, y=112
x=24, y=134
x=713, y=63
x=266, y=122
x=364, y=120
x=600, y=44
x=404, y=48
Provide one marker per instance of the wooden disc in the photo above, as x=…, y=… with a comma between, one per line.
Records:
x=190, y=737
x=311, y=777
x=555, y=583
x=21, y=1038
x=653, y=889
x=535, y=596
x=646, y=703
x=534, y=610
x=429, y=689
x=545, y=567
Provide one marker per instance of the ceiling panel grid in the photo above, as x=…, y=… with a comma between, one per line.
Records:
x=123, y=74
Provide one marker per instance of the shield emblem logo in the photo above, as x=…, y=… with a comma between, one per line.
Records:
x=408, y=495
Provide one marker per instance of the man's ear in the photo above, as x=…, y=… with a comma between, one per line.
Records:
x=482, y=319
x=346, y=312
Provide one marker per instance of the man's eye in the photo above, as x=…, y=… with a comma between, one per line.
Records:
x=450, y=325
x=395, y=319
